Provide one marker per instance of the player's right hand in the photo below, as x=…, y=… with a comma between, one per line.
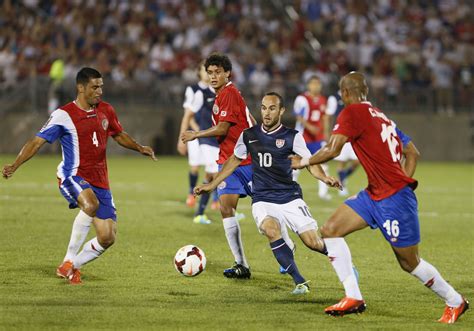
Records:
x=8, y=170
x=182, y=148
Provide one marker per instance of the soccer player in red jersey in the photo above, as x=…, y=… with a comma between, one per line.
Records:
x=388, y=203
x=83, y=127
x=230, y=117
x=313, y=123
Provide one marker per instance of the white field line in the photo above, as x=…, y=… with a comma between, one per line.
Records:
x=174, y=203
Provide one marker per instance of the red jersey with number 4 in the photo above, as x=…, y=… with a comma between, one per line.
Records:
x=377, y=147
x=83, y=136
x=230, y=107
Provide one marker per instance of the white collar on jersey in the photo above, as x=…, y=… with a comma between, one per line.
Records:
x=367, y=103
x=271, y=132
x=87, y=111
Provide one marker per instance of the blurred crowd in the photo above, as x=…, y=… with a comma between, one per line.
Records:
x=398, y=43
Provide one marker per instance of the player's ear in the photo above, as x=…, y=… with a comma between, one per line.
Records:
x=282, y=110
x=80, y=88
x=227, y=74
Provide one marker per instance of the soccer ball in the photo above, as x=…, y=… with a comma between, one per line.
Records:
x=190, y=260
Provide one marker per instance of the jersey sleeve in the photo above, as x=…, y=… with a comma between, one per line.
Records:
x=229, y=108
x=198, y=102
x=188, y=97
x=53, y=128
x=403, y=137
x=348, y=123
x=240, y=149
x=301, y=106
x=299, y=146
x=331, y=105
x=114, y=125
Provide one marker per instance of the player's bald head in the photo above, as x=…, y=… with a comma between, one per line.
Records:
x=354, y=82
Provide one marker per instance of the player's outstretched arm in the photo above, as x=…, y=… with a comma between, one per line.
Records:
x=318, y=172
x=27, y=152
x=227, y=169
x=328, y=152
x=123, y=139
x=220, y=129
x=411, y=154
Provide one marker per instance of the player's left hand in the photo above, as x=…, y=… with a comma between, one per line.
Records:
x=332, y=182
x=148, y=151
x=203, y=188
x=188, y=136
x=296, y=161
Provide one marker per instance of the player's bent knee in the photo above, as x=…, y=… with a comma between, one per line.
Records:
x=329, y=230
x=271, y=229
x=106, y=240
x=90, y=207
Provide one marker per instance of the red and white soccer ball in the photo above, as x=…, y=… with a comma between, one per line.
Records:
x=190, y=260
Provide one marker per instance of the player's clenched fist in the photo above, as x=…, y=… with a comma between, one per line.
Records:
x=204, y=188
x=332, y=182
x=8, y=171
x=188, y=136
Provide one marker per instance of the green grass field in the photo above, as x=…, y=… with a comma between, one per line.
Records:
x=135, y=286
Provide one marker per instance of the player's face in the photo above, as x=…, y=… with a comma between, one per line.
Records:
x=217, y=76
x=93, y=91
x=271, y=111
x=314, y=86
x=344, y=92
x=203, y=76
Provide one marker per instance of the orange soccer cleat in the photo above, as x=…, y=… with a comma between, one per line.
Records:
x=75, y=277
x=64, y=269
x=190, y=201
x=451, y=314
x=346, y=306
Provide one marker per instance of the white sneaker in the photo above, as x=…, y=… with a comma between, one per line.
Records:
x=325, y=197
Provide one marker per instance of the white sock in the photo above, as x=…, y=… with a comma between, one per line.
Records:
x=431, y=278
x=91, y=251
x=80, y=229
x=323, y=188
x=232, y=232
x=341, y=260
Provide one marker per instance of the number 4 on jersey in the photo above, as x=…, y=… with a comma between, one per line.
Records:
x=94, y=139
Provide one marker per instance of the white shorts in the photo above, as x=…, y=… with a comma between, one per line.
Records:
x=294, y=214
x=209, y=157
x=194, y=153
x=347, y=153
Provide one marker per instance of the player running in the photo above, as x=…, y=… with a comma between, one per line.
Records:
x=83, y=127
x=230, y=117
x=312, y=121
x=277, y=201
x=198, y=110
x=388, y=203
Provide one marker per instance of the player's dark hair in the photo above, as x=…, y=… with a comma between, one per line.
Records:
x=219, y=60
x=275, y=94
x=313, y=77
x=86, y=74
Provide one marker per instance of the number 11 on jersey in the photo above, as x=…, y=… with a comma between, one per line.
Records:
x=94, y=139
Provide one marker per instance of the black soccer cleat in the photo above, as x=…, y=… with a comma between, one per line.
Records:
x=237, y=271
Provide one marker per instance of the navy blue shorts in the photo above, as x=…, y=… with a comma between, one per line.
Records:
x=396, y=216
x=72, y=186
x=239, y=182
x=315, y=146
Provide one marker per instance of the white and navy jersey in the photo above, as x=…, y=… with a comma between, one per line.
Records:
x=272, y=174
x=335, y=104
x=201, y=105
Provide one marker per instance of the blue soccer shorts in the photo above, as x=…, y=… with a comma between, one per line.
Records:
x=395, y=216
x=72, y=186
x=239, y=182
x=315, y=146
